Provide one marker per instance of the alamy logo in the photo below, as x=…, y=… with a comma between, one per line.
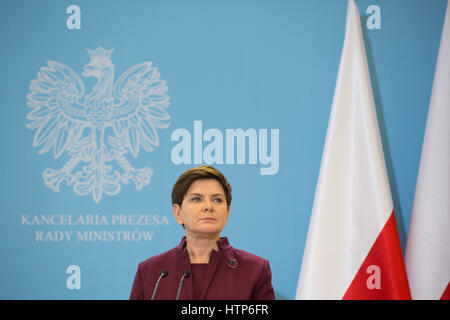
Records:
x=99, y=129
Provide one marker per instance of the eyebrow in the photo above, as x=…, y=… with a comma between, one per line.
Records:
x=201, y=195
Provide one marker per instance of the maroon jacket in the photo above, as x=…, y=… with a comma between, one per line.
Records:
x=231, y=274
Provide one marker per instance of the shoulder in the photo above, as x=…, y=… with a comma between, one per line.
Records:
x=248, y=256
x=159, y=259
x=249, y=261
x=256, y=271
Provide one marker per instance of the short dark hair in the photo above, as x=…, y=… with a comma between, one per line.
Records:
x=185, y=181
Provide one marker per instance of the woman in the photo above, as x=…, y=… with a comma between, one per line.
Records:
x=203, y=265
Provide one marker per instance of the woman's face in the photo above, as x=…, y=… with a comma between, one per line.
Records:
x=204, y=209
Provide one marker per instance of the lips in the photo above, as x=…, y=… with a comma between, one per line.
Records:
x=208, y=219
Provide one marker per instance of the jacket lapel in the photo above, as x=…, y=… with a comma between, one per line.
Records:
x=182, y=264
x=187, y=291
x=214, y=261
x=217, y=258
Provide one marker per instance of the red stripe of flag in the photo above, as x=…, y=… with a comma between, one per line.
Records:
x=446, y=294
x=382, y=274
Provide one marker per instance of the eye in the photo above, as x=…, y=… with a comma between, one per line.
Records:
x=218, y=200
x=196, y=199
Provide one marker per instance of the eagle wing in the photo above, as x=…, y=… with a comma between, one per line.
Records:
x=56, y=113
x=139, y=110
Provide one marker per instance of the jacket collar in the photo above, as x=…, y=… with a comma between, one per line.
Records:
x=214, y=260
x=222, y=243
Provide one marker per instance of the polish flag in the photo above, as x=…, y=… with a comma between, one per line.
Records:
x=428, y=247
x=352, y=250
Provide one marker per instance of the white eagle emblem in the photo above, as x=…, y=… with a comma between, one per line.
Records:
x=97, y=129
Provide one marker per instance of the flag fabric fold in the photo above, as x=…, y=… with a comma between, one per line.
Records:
x=352, y=249
x=427, y=254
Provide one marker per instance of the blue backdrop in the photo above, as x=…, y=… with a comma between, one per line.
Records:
x=265, y=67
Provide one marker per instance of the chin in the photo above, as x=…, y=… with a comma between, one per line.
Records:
x=211, y=229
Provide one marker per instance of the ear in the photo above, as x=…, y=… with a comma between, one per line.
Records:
x=177, y=214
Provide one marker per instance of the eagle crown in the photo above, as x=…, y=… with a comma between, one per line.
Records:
x=100, y=60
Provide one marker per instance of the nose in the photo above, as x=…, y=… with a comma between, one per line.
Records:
x=208, y=206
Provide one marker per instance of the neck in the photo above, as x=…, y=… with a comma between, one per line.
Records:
x=104, y=86
x=199, y=247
